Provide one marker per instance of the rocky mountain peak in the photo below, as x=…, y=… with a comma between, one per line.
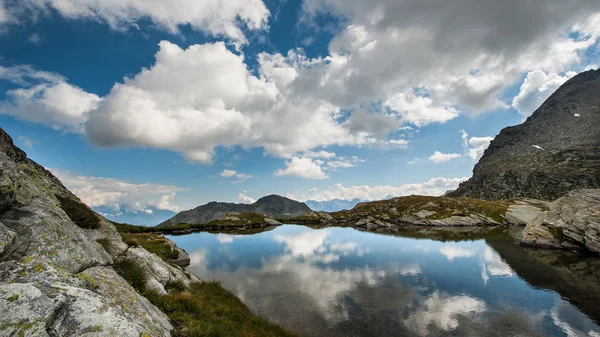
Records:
x=556, y=150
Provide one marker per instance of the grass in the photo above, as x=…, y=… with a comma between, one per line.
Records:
x=79, y=213
x=202, y=309
x=206, y=309
x=154, y=243
x=133, y=273
x=245, y=219
x=443, y=208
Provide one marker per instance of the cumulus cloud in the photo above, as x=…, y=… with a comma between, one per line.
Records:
x=46, y=98
x=419, y=110
x=430, y=66
x=453, y=252
x=536, y=88
x=115, y=194
x=398, y=60
x=234, y=174
x=438, y=157
x=475, y=146
x=302, y=167
x=203, y=97
x=218, y=17
x=59, y=105
x=433, y=187
x=443, y=311
x=244, y=198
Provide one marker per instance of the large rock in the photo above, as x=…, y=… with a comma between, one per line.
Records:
x=56, y=279
x=556, y=150
x=573, y=222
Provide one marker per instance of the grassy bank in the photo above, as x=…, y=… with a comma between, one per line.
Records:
x=203, y=309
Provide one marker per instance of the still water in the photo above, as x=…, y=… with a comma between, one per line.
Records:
x=344, y=282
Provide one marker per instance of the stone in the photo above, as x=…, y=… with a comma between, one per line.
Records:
x=272, y=222
x=56, y=279
x=573, y=222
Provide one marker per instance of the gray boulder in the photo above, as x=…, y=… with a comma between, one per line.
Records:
x=573, y=222
x=56, y=279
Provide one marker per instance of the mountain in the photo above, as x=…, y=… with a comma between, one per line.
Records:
x=150, y=217
x=554, y=151
x=334, y=205
x=273, y=205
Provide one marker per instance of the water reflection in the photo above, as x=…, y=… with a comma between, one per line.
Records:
x=342, y=282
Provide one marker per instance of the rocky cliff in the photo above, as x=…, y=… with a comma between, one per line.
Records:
x=554, y=151
x=272, y=205
x=573, y=222
x=57, y=258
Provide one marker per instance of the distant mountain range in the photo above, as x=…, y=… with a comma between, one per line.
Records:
x=273, y=205
x=150, y=217
x=334, y=205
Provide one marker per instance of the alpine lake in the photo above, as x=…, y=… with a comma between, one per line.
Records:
x=339, y=281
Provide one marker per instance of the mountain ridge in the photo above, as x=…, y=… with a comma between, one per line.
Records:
x=556, y=150
x=272, y=205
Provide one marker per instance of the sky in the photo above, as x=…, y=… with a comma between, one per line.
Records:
x=146, y=106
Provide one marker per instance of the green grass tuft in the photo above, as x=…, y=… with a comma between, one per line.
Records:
x=79, y=213
x=132, y=272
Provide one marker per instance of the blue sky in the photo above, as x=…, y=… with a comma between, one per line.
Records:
x=140, y=107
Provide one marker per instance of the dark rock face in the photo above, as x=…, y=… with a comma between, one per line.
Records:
x=554, y=151
x=272, y=205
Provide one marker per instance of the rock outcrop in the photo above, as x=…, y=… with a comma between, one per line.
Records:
x=573, y=222
x=272, y=205
x=554, y=151
x=56, y=262
x=431, y=211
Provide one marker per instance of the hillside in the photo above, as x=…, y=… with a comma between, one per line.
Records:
x=554, y=151
x=272, y=205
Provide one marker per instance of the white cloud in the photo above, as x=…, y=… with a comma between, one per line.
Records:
x=216, y=17
x=398, y=143
x=419, y=110
x=47, y=99
x=536, y=88
x=228, y=173
x=60, y=105
x=453, y=252
x=433, y=187
x=244, y=198
x=303, y=168
x=340, y=164
x=399, y=61
x=319, y=154
x=474, y=146
x=438, y=157
x=443, y=311
x=26, y=141
x=231, y=173
x=414, y=161
x=225, y=238
x=114, y=193
x=203, y=97
x=35, y=39
x=25, y=75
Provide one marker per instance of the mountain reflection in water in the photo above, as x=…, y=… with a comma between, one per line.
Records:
x=344, y=282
